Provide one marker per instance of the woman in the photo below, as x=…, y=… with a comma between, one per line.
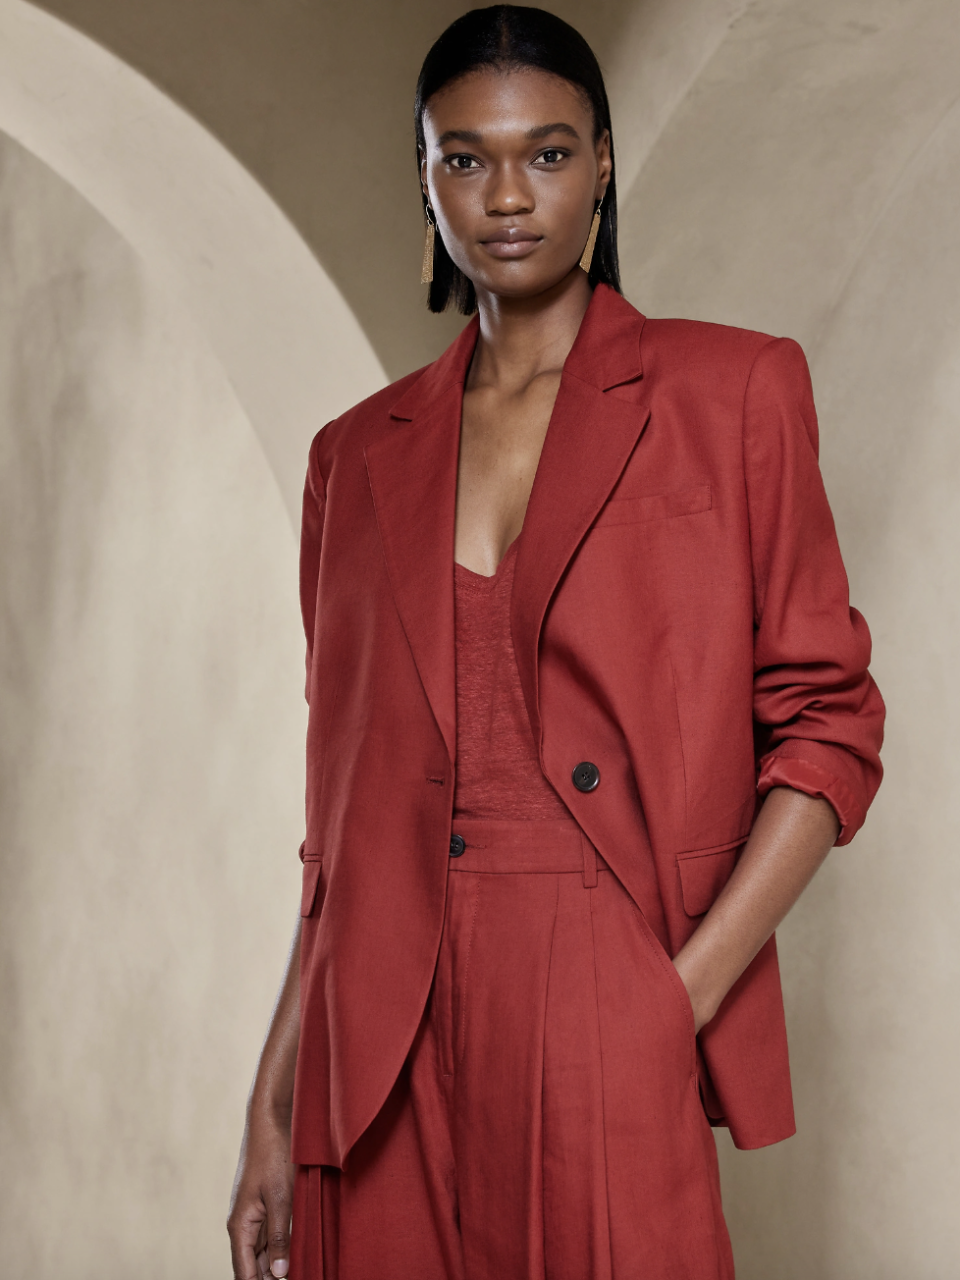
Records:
x=588, y=707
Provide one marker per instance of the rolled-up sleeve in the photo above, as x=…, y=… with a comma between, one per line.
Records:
x=817, y=711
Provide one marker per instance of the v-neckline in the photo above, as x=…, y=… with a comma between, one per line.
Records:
x=490, y=577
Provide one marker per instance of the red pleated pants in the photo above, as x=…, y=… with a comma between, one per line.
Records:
x=547, y=1123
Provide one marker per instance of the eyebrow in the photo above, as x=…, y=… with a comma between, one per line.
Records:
x=532, y=135
x=458, y=135
x=544, y=131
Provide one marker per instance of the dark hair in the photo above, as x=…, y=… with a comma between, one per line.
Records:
x=508, y=37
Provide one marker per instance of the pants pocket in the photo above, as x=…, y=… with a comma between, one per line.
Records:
x=680, y=993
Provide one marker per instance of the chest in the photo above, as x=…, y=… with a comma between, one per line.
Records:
x=501, y=440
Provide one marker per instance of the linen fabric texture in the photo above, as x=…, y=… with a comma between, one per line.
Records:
x=680, y=618
x=498, y=771
x=547, y=1121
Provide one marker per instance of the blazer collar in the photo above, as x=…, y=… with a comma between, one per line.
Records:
x=601, y=411
x=598, y=417
x=605, y=354
x=447, y=371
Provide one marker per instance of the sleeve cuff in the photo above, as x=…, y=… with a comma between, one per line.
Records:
x=802, y=775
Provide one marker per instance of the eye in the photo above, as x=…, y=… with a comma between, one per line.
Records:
x=461, y=162
x=553, y=155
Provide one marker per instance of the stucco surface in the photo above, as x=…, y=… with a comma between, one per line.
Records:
x=807, y=184
x=150, y=755
x=786, y=165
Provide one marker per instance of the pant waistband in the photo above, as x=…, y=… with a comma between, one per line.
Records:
x=505, y=847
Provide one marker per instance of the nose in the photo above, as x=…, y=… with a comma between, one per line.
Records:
x=508, y=192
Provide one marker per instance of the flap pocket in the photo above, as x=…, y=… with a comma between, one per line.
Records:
x=656, y=506
x=311, y=880
x=704, y=872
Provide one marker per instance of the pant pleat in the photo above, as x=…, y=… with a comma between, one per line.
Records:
x=662, y=1206
x=577, y=1231
x=547, y=1124
x=499, y=1082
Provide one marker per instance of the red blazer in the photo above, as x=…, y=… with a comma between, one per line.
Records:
x=680, y=618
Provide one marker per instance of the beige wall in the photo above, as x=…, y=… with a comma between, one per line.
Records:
x=808, y=184
x=790, y=165
x=150, y=755
x=286, y=339
x=316, y=100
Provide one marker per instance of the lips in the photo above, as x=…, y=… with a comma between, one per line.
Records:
x=510, y=235
x=511, y=242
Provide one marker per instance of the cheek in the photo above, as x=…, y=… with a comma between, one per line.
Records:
x=459, y=207
x=566, y=215
x=462, y=208
x=457, y=225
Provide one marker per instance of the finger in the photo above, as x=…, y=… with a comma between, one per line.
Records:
x=279, y=1210
x=244, y=1262
x=244, y=1231
x=263, y=1263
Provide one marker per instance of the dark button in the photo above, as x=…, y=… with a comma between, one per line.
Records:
x=586, y=776
x=457, y=846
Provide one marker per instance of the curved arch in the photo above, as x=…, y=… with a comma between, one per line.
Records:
x=774, y=163
x=912, y=167
x=289, y=343
x=651, y=66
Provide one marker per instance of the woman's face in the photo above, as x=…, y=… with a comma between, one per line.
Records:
x=512, y=173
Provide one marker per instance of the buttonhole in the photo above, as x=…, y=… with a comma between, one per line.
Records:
x=438, y=781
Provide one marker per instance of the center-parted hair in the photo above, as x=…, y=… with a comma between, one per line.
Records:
x=508, y=37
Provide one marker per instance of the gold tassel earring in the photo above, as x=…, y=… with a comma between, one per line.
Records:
x=587, y=258
x=426, y=275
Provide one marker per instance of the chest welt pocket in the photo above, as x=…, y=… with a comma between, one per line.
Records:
x=656, y=506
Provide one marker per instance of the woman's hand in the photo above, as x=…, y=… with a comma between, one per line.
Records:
x=792, y=835
x=262, y=1200
x=703, y=1010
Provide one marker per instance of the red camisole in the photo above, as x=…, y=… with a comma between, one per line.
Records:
x=498, y=773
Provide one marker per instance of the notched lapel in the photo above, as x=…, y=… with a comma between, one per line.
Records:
x=413, y=477
x=590, y=440
x=600, y=413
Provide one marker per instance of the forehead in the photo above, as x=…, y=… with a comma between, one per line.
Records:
x=492, y=102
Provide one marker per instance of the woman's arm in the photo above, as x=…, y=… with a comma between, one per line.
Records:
x=818, y=715
x=262, y=1200
x=792, y=835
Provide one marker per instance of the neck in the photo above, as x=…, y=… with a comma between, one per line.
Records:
x=522, y=338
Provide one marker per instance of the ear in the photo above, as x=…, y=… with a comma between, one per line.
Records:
x=604, y=164
x=423, y=174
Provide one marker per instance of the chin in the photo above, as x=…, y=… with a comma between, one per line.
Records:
x=523, y=283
